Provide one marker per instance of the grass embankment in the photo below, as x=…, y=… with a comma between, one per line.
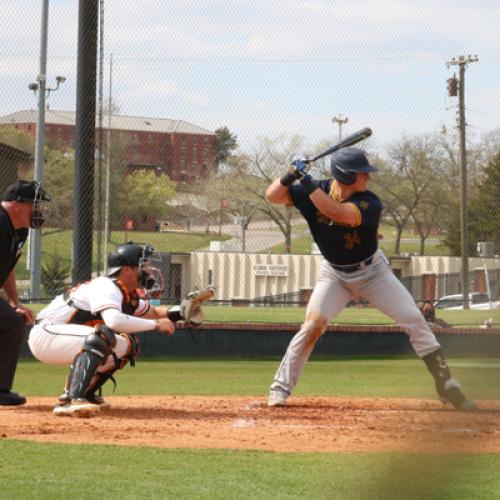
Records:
x=58, y=244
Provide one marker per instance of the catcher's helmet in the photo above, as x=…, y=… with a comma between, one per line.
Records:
x=347, y=162
x=128, y=254
x=146, y=258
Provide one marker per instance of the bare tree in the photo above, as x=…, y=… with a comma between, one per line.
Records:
x=412, y=170
x=269, y=159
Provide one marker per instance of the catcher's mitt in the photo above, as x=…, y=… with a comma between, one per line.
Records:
x=190, y=307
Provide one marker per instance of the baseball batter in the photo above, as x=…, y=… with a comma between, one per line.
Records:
x=343, y=217
x=91, y=328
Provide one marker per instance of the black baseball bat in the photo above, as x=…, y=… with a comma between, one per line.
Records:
x=358, y=136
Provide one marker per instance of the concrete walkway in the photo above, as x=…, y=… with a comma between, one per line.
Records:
x=259, y=236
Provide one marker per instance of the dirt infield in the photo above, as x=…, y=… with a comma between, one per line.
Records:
x=307, y=424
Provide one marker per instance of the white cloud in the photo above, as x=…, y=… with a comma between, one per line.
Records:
x=262, y=67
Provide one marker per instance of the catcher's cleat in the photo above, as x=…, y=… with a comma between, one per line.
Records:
x=64, y=399
x=77, y=408
x=277, y=398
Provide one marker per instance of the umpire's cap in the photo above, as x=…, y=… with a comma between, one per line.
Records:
x=25, y=191
x=347, y=162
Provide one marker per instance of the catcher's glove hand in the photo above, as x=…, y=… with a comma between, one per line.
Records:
x=190, y=307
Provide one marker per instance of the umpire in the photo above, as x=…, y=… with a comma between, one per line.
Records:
x=21, y=208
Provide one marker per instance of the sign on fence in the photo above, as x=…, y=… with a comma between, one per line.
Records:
x=270, y=270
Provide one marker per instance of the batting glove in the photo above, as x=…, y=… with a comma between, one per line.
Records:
x=296, y=172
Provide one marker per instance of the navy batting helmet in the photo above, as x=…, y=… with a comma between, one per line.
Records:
x=347, y=162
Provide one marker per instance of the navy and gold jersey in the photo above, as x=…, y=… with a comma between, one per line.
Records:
x=341, y=244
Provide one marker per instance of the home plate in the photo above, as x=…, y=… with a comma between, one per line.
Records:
x=244, y=422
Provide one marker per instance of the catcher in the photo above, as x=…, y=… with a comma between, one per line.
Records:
x=92, y=326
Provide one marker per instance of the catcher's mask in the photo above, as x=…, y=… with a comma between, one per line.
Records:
x=150, y=275
x=146, y=259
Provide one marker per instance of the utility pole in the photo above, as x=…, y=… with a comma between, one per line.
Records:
x=461, y=62
x=341, y=120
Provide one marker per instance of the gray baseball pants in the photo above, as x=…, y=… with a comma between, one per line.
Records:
x=333, y=290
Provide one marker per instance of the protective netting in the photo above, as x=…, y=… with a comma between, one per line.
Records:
x=200, y=105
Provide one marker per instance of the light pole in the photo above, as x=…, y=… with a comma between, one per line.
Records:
x=43, y=93
x=341, y=120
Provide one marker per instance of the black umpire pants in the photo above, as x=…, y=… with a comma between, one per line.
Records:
x=12, y=334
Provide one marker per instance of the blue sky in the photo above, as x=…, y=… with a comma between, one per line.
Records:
x=268, y=67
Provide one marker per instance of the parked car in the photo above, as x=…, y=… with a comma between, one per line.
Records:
x=478, y=301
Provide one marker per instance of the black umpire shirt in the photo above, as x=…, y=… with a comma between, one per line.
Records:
x=11, y=243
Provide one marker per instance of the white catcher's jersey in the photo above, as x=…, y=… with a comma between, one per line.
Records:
x=63, y=325
x=94, y=296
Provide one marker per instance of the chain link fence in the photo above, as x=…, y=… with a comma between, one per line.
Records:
x=176, y=163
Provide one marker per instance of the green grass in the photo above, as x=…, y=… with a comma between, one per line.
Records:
x=60, y=243
x=343, y=376
x=55, y=471
x=68, y=471
x=349, y=316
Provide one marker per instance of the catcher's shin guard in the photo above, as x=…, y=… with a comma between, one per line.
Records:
x=94, y=390
x=447, y=387
x=96, y=349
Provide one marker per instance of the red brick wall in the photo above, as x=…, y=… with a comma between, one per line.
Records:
x=183, y=157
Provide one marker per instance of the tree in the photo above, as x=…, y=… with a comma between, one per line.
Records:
x=17, y=138
x=145, y=194
x=225, y=143
x=487, y=222
x=406, y=182
x=269, y=159
x=432, y=211
x=482, y=208
x=54, y=274
x=59, y=180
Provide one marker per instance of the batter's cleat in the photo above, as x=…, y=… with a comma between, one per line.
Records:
x=453, y=395
x=468, y=405
x=77, y=408
x=64, y=399
x=277, y=398
x=465, y=405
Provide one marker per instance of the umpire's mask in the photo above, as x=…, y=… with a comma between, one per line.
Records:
x=37, y=216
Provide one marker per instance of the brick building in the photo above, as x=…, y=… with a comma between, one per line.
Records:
x=177, y=148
